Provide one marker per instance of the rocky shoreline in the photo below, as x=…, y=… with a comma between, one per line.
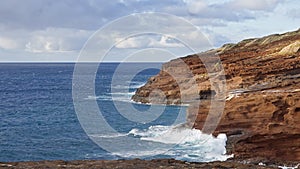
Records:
x=134, y=163
x=261, y=114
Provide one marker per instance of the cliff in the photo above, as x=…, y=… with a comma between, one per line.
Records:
x=262, y=110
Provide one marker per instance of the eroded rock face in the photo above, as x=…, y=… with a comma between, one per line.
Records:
x=260, y=126
x=262, y=110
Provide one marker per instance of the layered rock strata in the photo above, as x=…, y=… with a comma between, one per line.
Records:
x=261, y=116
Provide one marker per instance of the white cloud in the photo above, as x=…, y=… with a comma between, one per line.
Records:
x=150, y=41
x=164, y=42
x=53, y=40
x=41, y=44
x=133, y=42
x=254, y=4
x=195, y=6
x=37, y=27
x=7, y=43
x=294, y=13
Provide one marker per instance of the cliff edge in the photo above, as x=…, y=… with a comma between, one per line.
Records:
x=262, y=110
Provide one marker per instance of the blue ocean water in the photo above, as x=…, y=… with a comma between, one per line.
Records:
x=38, y=120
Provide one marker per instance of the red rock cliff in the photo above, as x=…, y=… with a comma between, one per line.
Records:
x=262, y=110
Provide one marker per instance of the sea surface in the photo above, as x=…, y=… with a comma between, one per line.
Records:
x=38, y=120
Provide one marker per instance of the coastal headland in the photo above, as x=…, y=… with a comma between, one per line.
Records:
x=261, y=116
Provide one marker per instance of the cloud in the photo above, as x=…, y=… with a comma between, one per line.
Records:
x=133, y=42
x=256, y=5
x=164, y=42
x=44, y=41
x=195, y=7
x=215, y=38
x=206, y=10
x=92, y=14
x=84, y=14
x=150, y=41
x=7, y=43
x=53, y=27
x=230, y=10
x=36, y=14
x=43, y=44
x=294, y=13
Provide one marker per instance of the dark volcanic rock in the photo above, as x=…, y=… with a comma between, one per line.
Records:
x=128, y=164
x=262, y=109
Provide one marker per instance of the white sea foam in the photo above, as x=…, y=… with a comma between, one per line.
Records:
x=127, y=85
x=132, y=101
x=109, y=135
x=152, y=131
x=118, y=96
x=92, y=98
x=138, y=153
x=182, y=143
x=124, y=97
x=120, y=93
x=285, y=167
x=189, y=144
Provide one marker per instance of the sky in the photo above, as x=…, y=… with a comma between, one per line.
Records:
x=57, y=30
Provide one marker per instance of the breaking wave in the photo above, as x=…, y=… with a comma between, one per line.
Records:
x=188, y=144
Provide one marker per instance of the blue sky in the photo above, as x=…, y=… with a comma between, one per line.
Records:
x=56, y=30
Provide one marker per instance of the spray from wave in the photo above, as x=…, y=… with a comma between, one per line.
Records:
x=177, y=142
x=187, y=144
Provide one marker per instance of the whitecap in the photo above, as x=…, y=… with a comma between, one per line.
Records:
x=285, y=167
x=108, y=135
x=189, y=144
x=92, y=98
x=117, y=96
x=139, y=153
x=128, y=85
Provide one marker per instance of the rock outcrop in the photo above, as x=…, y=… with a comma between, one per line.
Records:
x=130, y=164
x=262, y=109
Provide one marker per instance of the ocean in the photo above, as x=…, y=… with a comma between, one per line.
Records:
x=38, y=120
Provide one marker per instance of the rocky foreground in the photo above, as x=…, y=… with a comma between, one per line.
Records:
x=262, y=98
x=131, y=164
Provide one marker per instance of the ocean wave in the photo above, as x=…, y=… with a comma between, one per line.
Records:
x=285, y=167
x=189, y=144
x=92, y=98
x=152, y=131
x=139, y=153
x=177, y=142
x=128, y=85
x=122, y=94
x=114, y=135
x=118, y=96
x=118, y=93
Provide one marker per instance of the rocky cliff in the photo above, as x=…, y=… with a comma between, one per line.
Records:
x=262, y=109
